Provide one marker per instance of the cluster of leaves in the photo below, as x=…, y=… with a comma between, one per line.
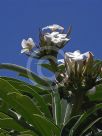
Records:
x=32, y=110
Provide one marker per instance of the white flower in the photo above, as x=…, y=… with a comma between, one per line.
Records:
x=53, y=27
x=76, y=55
x=56, y=38
x=48, y=36
x=62, y=36
x=59, y=41
x=75, y=58
x=27, y=45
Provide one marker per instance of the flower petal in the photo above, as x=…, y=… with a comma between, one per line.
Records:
x=54, y=34
x=24, y=50
x=31, y=42
x=61, y=61
x=62, y=35
x=53, y=27
x=77, y=53
x=23, y=43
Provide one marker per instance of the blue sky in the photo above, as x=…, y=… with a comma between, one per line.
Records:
x=22, y=18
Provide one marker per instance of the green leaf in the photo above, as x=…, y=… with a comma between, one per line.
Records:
x=25, y=88
x=47, y=98
x=40, y=101
x=18, y=84
x=7, y=122
x=24, y=107
x=61, y=67
x=6, y=87
x=25, y=72
x=57, y=107
x=97, y=96
x=4, y=132
x=97, y=62
x=90, y=125
x=27, y=133
x=23, y=104
x=69, y=124
x=84, y=117
x=47, y=127
x=63, y=110
x=48, y=67
x=98, y=134
x=67, y=113
x=97, y=67
x=3, y=106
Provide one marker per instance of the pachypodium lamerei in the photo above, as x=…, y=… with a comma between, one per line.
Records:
x=69, y=104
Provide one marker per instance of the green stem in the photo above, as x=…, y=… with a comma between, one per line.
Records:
x=55, y=95
x=77, y=103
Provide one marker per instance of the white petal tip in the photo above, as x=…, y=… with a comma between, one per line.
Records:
x=24, y=50
x=61, y=61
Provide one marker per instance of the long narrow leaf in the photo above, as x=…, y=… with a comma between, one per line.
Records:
x=28, y=133
x=24, y=71
x=41, y=103
x=69, y=124
x=90, y=125
x=83, y=117
x=98, y=134
x=21, y=104
x=48, y=67
x=18, y=85
x=67, y=113
x=48, y=127
x=7, y=122
x=57, y=107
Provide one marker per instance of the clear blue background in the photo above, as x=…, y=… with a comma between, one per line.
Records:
x=22, y=18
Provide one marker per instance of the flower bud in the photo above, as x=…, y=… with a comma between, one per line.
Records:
x=75, y=61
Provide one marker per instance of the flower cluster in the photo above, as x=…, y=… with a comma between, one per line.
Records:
x=54, y=38
x=80, y=73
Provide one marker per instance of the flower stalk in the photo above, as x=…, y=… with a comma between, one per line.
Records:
x=77, y=103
